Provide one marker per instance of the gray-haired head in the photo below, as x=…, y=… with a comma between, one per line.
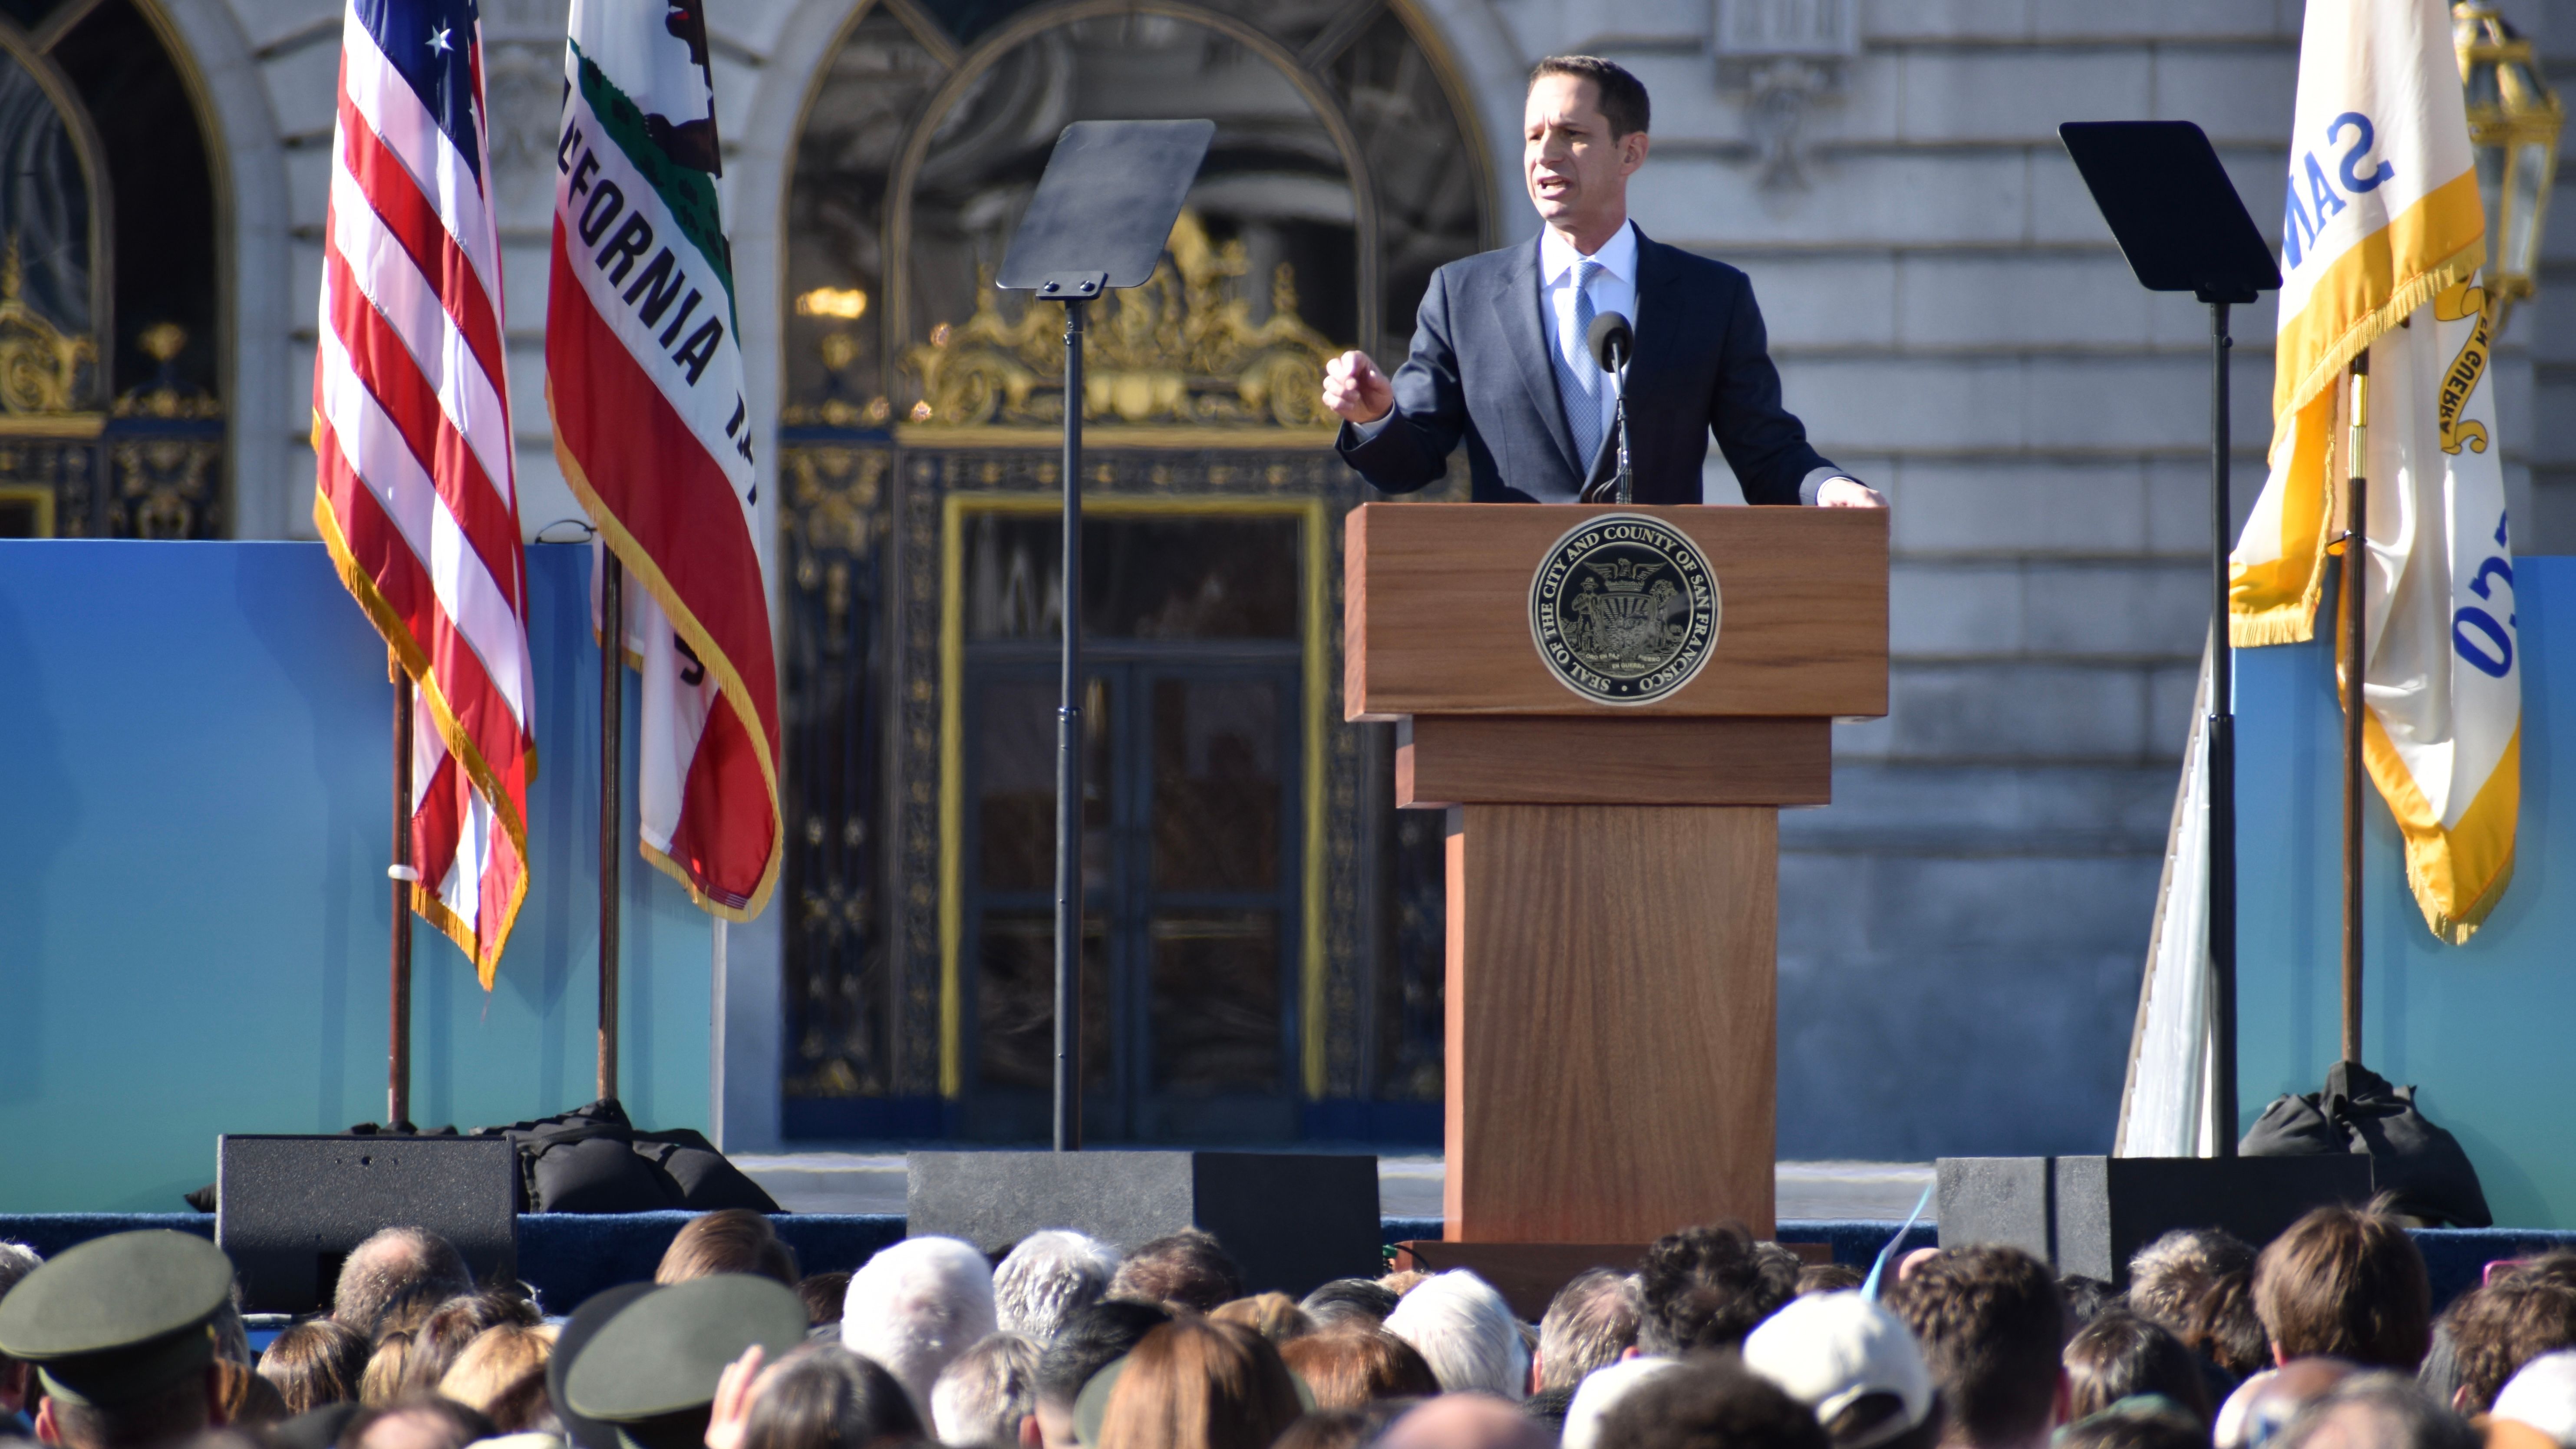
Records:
x=916, y=1306
x=17, y=1260
x=2168, y=1277
x=1049, y=1275
x=1347, y=1301
x=1466, y=1332
x=985, y=1392
x=1591, y=1321
x=2378, y=1410
x=391, y=1263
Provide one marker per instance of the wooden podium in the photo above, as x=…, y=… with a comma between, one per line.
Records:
x=1612, y=867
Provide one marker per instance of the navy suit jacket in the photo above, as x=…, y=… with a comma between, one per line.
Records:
x=1480, y=372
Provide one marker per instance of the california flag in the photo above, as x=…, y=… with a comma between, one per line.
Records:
x=644, y=379
x=2381, y=239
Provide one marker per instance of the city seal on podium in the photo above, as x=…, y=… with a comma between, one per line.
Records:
x=1624, y=609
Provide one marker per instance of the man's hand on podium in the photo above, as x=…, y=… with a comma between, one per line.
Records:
x=1848, y=493
x=1354, y=388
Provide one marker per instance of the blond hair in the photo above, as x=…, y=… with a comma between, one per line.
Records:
x=502, y=1374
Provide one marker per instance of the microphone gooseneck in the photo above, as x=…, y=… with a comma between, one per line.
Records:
x=1611, y=343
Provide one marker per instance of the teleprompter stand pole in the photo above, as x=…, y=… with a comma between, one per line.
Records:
x=2356, y=576
x=404, y=875
x=612, y=743
x=1068, y=750
x=1097, y=222
x=2183, y=229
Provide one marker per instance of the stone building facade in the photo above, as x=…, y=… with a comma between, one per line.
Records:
x=1961, y=931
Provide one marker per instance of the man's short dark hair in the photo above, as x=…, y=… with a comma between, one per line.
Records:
x=2146, y=1425
x=1707, y=1287
x=1350, y=1300
x=1623, y=96
x=2169, y=1277
x=1712, y=1402
x=162, y=1417
x=1093, y=1337
x=1590, y=1322
x=1991, y=1324
x=2121, y=1355
x=451, y=1425
x=2498, y=1328
x=1189, y=1269
x=2346, y=1283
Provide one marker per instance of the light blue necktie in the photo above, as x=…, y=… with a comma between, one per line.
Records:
x=1580, y=385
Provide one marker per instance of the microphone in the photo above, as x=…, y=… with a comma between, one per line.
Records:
x=1612, y=343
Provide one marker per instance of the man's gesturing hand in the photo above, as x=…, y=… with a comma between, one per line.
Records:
x=1354, y=388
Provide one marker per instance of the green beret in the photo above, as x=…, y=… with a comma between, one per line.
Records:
x=118, y=1318
x=662, y=1354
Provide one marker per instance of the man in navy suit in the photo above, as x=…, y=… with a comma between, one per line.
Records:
x=1499, y=357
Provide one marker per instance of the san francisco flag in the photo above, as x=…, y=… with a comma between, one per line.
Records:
x=414, y=493
x=2381, y=239
x=644, y=379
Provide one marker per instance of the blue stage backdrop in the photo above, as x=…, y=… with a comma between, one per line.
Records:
x=2482, y=1029
x=194, y=772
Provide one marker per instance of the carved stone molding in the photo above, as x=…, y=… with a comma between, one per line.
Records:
x=1786, y=56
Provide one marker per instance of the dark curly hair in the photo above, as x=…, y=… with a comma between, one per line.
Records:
x=1711, y=1399
x=1707, y=1287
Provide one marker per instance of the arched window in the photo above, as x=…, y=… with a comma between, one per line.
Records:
x=1247, y=962
x=111, y=420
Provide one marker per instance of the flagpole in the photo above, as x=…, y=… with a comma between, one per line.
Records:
x=2222, y=750
x=403, y=874
x=612, y=743
x=2356, y=628
x=1068, y=762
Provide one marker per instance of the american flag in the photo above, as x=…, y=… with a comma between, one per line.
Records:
x=415, y=494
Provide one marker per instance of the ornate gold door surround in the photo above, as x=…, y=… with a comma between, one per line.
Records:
x=925, y=405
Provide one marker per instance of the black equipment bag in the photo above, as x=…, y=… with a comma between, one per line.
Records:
x=2422, y=1167
x=592, y=1160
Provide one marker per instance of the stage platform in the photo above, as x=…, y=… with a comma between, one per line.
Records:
x=567, y=1257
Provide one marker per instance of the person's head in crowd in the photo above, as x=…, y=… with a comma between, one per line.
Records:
x=2543, y=1395
x=1466, y=1332
x=426, y=1422
x=1600, y=1392
x=232, y=1333
x=1048, y=1275
x=915, y=1306
x=1350, y=1301
x=729, y=1240
x=1188, y=1269
x=17, y=1260
x=1817, y=1278
x=393, y=1263
x=439, y=1341
x=314, y=1363
x=1463, y=1421
x=2122, y=1355
x=501, y=1374
x=986, y=1393
x=118, y=1332
x=2497, y=1328
x=2147, y=1421
x=388, y=1369
x=1991, y=1325
x=2086, y=1298
x=1090, y=1339
x=2224, y=1326
x=2345, y=1283
x=1342, y=1428
x=1275, y=1316
x=1711, y=1402
x=1591, y=1321
x=2378, y=1410
x=1855, y=1366
x=2439, y=1374
x=2263, y=1406
x=1706, y=1287
x=1345, y=1368
x=822, y=1294
x=2169, y=1277
x=1195, y=1383
x=823, y=1396
x=662, y=1368
x=248, y=1401
x=1401, y=1283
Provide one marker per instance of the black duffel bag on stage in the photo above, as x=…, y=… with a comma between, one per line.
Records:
x=2422, y=1167
x=592, y=1160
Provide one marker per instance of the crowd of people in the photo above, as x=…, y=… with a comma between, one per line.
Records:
x=2324, y=1339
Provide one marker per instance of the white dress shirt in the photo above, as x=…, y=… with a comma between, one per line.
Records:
x=1614, y=289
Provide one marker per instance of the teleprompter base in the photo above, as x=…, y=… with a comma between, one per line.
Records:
x=2088, y=1215
x=289, y=1209
x=1290, y=1220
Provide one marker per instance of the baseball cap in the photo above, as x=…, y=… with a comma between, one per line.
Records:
x=1830, y=1350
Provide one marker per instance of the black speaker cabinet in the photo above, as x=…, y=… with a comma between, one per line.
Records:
x=289, y=1209
x=2088, y=1215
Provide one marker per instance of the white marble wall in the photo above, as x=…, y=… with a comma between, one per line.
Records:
x=1962, y=931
